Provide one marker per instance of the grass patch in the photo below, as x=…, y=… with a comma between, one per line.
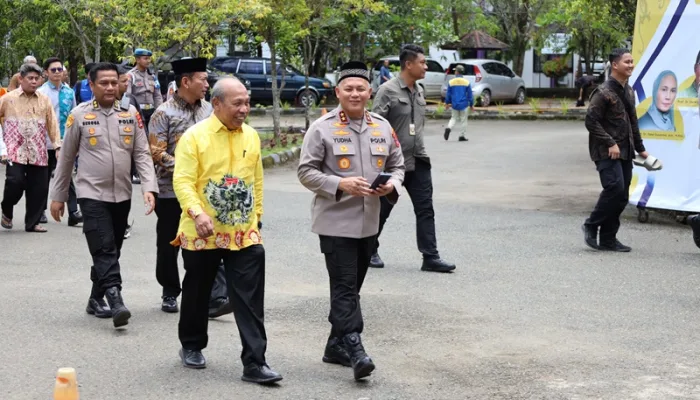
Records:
x=285, y=141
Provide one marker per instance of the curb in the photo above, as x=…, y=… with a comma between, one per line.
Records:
x=281, y=158
x=571, y=115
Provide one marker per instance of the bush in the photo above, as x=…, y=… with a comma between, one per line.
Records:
x=556, y=67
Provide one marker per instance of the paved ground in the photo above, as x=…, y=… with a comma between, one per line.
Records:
x=529, y=314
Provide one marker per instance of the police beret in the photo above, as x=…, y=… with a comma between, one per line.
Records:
x=187, y=65
x=142, y=52
x=354, y=69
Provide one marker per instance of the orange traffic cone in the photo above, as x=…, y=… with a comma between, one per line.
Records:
x=324, y=111
x=66, y=387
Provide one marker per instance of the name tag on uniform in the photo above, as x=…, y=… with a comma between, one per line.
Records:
x=412, y=129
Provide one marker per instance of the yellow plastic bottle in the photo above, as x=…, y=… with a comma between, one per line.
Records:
x=66, y=387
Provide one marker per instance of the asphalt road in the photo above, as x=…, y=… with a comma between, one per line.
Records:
x=530, y=312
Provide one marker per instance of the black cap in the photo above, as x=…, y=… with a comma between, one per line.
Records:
x=188, y=65
x=354, y=69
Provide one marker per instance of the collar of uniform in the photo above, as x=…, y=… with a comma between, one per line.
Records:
x=343, y=117
x=218, y=127
x=403, y=85
x=184, y=104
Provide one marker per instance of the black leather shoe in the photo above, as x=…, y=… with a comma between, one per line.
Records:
x=362, y=365
x=98, y=308
x=617, y=246
x=335, y=353
x=463, y=139
x=260, y=374
x=376, y=262
x=447, y=133
x=437, y=265
x=169, y=304
x=120, y=314
x=694, y=222
x=75, y=218
x=43, y=219
x=590, y=236
x=220, y=307
x=193, y=359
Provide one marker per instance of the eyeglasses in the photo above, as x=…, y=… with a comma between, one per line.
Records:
x=56, y=70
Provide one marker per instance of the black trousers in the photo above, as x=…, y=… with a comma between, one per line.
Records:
x=168, y=211
x=104, y=225
x=419, y=185
x=33, y=180
x=245, y=276
x=72, y=197
x=347, y=261
x=615, y=177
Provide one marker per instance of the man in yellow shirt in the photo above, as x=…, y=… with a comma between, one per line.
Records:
x=218, y=181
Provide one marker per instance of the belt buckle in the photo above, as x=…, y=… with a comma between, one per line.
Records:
x=147, y=106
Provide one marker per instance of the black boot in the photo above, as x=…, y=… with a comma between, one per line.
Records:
x=220, y=307
x=376, y=261
x=362, y=365
x=98, y=308
x=335, y=353
x=75, y=218
x=437, y=264
x=120, y=314
x=169, y=304
x=590, y=236
x=447, y=133
x=262, y=374
x=694, y=223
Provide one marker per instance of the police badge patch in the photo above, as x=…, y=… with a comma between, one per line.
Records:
x=231, y=198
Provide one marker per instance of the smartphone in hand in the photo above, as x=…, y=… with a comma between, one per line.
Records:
x=381, y=179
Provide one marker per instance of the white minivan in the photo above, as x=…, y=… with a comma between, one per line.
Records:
x=434, y=76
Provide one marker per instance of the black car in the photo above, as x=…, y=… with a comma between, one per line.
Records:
x=257, y=72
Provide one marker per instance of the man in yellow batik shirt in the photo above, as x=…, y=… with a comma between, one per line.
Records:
x=218, y=181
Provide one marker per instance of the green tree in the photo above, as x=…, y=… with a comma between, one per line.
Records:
x=516, y=20
x=280, y=24
x=593, y=27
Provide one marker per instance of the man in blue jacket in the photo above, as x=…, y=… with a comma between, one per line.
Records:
x=459, y=96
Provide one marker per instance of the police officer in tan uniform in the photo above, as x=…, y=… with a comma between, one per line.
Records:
x=343, y=152
x=106, y=137
x=144, y=86
x=145, y=90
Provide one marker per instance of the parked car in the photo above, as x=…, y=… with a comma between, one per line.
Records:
x=490, y=79
x=165, y=77
x=431, y=83
x=257, y=72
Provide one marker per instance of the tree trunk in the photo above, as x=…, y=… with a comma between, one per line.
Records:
x=357, y=46
x=97, y=45
x=275, y=90
x=455, y=19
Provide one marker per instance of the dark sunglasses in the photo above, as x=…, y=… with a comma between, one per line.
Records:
x=56, y=70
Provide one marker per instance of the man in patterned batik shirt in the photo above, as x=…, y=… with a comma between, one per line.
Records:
x=63, y=99
x=168, y=123
x=27, y=119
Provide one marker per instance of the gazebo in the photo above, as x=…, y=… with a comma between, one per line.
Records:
x=476, y=41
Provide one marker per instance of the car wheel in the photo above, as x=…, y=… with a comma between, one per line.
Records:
x=309, y=98
x=485, y=99
x=520, y=96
